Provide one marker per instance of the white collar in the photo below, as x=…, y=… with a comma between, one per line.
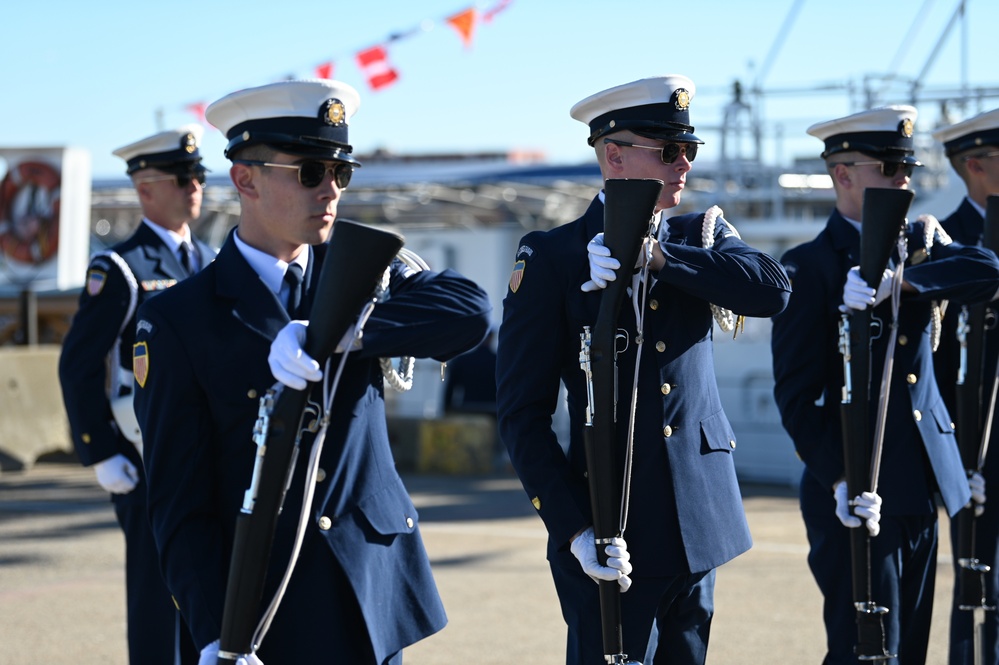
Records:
x=270, y=269
x=171, y=238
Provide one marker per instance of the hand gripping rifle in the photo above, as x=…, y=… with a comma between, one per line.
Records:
x=355, y=261
x=629, y=205
x=974, y=414
x=883, y=218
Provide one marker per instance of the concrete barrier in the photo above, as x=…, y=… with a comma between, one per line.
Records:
x=32, y=417
x=455, y=444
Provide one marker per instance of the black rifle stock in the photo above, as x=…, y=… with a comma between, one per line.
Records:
x=973, y=401
x=883, y=218
x=629, y=205
x=356, y=258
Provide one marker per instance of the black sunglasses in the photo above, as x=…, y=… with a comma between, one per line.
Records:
x=888, y=169
x=182, y=180
x=669, y=151
x=311, y=172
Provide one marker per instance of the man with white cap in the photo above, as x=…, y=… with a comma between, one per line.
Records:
x=362, y=589
x=95, y=368
x=873, y=149
x=686, y=515
x=972, y=146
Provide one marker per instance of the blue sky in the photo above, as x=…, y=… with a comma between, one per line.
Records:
x=99, y=75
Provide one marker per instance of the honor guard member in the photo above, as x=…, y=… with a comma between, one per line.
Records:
x=95, y=368
x=362, y=589
x=873, y=149
x=972, y=146
x=686, y=516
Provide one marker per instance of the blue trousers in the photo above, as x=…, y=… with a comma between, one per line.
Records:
x=664, y=620
x=157, y=634
x=903, y=575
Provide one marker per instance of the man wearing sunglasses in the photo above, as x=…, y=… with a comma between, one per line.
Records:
x=972, y=146
x=685, y=514
x=920, y=459
x=95, y=367
x=362, y=587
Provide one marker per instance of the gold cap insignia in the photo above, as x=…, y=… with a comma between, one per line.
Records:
x=682, y=99
x=333, y=112
x=188, y=143
x=905, y=128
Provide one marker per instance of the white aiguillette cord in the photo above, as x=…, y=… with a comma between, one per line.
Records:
x=329, y=391
x=639, y=293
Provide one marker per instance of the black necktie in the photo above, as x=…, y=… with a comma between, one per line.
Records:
x=293, y=276
x=185, y=258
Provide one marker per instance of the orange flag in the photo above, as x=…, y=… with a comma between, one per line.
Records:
x=464, y=23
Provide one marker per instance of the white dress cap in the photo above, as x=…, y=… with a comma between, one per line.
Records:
x=172, y=148
x=884, y=133
x=657, y=107
x=976, y=132
x=303, y=117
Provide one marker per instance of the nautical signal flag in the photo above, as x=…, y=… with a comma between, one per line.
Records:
x=325, y=70
x=373, y=61
x=464, y=23
x=198, y=110
x=376, y=67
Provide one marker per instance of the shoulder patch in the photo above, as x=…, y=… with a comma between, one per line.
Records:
x=144, y=326
x=525, y=252
x=140, y=363
x=517, y=276
x=96, y=279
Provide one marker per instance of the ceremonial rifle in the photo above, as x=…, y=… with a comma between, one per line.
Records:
x=974, y=414
x=629, y=205
x=356, y=259
x=883, y=219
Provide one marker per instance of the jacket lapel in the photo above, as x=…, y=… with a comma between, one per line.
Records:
x=253, y=304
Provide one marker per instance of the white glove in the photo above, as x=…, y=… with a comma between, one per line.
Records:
x=618, y=566
x=866, y=506
x=210, y=656
x=289, y=364
x=116, y=474
x=976, y=482
x=856, y=293
x=602, y=265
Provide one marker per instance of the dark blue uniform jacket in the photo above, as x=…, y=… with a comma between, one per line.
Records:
x=920, y=453
x=207, y=343
x=95, y=331
x=686, y=512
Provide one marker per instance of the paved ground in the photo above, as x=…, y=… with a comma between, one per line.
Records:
x=62, y=599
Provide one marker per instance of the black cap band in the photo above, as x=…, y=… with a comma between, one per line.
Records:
x=311, y=137
x=887, y=146
x=664, y=121
x=988, y=137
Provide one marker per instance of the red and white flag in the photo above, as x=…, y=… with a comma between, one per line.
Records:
x=376, y=67
x=198, y=109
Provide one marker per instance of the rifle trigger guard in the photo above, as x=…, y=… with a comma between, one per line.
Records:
x=622, y=335
x=877, y=327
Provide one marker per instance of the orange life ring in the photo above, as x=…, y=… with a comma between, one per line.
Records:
x=29, y=212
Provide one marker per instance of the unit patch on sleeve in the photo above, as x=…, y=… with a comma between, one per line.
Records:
x=140, y=363
x=517, y=276
x=96, y=279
